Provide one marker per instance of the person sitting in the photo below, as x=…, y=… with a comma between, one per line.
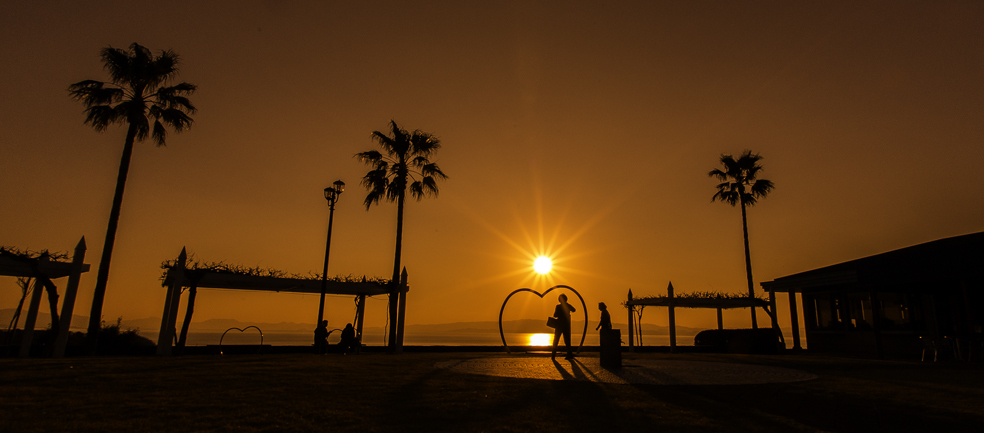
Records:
x=349, y=343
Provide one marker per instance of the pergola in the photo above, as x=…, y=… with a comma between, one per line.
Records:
x=43, y=270
x=672, y=302
x=178, y=276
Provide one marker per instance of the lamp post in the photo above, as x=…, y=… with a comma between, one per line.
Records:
x=331, y=194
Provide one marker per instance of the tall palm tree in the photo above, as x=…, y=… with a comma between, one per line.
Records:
x=741, y=187
x=405, y=165
x=140, y=90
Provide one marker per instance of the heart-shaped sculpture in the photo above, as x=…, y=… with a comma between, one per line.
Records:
x=584, y=308
x=240, y=330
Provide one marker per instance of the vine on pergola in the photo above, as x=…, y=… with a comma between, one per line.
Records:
x=17, y=253
x=226, y=268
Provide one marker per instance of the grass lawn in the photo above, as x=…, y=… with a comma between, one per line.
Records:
x=378, y=392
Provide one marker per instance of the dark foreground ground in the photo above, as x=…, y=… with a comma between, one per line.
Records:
x=379, y=392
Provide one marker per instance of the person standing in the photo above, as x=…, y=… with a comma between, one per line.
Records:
x=321, y=338
x=605, y=324
x=563, y=314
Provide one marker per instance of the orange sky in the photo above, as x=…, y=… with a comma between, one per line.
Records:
x=582, y=130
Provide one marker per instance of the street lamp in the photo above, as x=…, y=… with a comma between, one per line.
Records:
x=331, y=194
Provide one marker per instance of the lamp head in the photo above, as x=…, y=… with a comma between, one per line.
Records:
x=332, y=192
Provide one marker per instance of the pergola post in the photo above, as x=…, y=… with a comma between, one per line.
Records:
x=189, y=311
x=774, y=315
x=49, y=287
x=631, y=308
x=672, y=314
x=68, y=304
x=394, y=308
x=32, y=316
x=794, y=320
x=360, y=312
x=403, y=310
x=166, y=333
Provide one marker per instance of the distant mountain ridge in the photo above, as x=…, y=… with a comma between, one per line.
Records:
x=152, y=324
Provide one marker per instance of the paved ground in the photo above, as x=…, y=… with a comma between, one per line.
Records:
x=644, y=371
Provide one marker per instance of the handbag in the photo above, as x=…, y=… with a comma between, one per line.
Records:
x=553, y=322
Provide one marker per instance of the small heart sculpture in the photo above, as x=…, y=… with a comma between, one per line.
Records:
x=584, y=308
x=240, y=330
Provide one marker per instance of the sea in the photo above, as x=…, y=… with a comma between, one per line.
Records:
x=377, y=338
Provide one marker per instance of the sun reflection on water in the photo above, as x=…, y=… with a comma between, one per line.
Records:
x=540, y=339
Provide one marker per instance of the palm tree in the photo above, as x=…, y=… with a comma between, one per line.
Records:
x=740, y=187
x=406, y=164
x=139, y=91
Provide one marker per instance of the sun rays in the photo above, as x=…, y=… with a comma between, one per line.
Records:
x=538, y=234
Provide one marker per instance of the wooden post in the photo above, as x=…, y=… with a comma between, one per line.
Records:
x=720, y=319
x=172, y=321
x=68, y=304
x=794, y=320
x=360, y=312
x=192, y=293
x=775, y=319
x=631, y=308
x=49, y=287
x=162, y=333
x=394, y=306
x=403, y=310
x=669, y=294
x=32, y=317
x=166, y=333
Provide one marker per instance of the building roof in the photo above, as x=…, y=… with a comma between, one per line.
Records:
x=913, y=268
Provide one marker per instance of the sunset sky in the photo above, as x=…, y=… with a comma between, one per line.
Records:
x=579, y=130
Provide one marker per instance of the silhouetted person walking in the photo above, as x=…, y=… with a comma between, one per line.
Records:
x=605, y=324
x=563, y=314
x=321, y=338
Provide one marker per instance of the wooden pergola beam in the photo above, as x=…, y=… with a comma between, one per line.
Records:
x=178, y=276
x=11, y=267
x=43, y=270
x=224, y=280
x=672, y=302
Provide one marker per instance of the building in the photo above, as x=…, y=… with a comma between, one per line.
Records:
x=882, y=304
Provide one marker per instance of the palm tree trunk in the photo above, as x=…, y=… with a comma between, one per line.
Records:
x=395, y=282
x=748, y=262
x=95, y=315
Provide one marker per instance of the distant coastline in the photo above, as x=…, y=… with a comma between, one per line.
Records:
x=479, y=333
x=152, y=324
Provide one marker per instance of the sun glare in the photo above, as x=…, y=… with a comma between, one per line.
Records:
x=542, y=265
x=540, y=339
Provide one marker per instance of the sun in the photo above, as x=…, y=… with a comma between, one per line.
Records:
x=542, y=265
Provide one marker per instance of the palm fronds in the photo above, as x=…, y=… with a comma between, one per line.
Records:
x=403, y=164
x=739, y=179
x=138, y=89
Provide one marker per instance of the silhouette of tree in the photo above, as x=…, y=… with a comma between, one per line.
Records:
x=139, y=91
x=741, y=187
x=405, y=165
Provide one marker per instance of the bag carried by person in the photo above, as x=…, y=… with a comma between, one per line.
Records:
x=553, y=322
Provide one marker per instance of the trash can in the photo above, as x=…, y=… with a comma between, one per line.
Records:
x=611, y=349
